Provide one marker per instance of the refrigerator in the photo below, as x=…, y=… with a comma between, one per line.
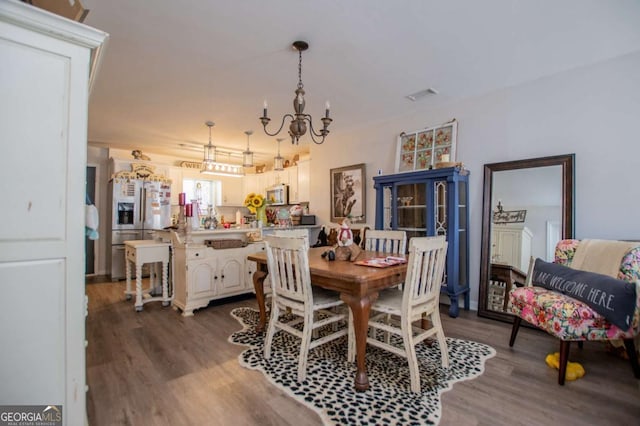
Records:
x=138, y=207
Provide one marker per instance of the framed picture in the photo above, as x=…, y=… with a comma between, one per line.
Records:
x=423, y=149
x=348, y=193
x=509, y=216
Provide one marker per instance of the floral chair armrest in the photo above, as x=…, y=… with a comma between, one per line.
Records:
x=630, y=271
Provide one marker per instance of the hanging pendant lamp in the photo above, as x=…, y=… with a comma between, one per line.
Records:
x=278, y=161
x=247, y=156
x=209, y=160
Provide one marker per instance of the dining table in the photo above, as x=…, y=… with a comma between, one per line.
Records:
x=357, y=284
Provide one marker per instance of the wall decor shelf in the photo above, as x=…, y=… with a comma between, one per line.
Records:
x=429, y=203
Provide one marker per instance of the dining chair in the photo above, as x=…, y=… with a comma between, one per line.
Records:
x=385, y=241
x=394, y=312
x=288, y=265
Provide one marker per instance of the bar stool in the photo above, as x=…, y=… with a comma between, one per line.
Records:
x=138, y=253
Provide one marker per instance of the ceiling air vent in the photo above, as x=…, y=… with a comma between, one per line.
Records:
x=421, y=94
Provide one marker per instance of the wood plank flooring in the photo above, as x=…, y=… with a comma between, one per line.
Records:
x=159, y=368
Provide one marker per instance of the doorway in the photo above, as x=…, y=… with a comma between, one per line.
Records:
x=90, y=248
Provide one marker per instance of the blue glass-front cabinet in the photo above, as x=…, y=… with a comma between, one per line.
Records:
x=428, y=203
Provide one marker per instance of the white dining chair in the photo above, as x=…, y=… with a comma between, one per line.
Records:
x=288, y=265
x=385, y=241
x=394, y=312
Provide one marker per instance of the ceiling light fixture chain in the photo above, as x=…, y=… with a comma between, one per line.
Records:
x=298, y=125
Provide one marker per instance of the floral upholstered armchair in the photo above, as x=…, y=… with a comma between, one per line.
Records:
x=570, y=319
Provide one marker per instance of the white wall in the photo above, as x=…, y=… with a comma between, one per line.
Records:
x=590, y=111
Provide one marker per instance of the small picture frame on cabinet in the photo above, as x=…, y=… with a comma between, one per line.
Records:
x=423, y=149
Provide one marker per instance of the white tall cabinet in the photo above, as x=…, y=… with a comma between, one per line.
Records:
x=47, y=65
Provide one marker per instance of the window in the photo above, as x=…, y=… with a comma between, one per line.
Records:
x=205, y=192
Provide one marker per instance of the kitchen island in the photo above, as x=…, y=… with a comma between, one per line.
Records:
x=202, y=273
x=212, y=264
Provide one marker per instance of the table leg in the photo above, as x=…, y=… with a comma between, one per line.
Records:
x=138, y=304
x=360, y=309
x=165, y=284
x=258, y=285
x=127, y=266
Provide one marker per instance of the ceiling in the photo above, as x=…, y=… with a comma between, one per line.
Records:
x=169, y=65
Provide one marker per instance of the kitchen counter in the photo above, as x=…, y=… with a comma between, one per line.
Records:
x=198, y=237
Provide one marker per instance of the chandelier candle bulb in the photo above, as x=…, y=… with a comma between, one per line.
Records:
x=264, y=108
x=326, y=111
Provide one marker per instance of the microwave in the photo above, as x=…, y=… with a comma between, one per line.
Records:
x=278, y=195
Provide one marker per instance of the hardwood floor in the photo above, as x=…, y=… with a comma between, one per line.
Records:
x=159, y=368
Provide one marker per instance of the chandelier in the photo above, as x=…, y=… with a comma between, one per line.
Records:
x=299, y=119
x=211, y=167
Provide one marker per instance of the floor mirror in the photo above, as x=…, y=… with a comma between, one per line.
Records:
x=528, y=206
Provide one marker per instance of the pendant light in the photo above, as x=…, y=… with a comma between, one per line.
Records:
x=247, y=156
x=209, y=160
x=278, y=161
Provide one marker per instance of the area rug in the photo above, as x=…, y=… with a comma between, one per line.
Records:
x=328, y=388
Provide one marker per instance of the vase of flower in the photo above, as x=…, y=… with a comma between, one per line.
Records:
x=261, y=215
x=257, y=205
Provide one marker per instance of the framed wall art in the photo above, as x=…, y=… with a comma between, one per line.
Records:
x=509, y=216
x=348, y=193
x=423, y=149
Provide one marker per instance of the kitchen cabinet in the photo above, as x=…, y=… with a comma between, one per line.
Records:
x=49, y=65
x=202, y=274
x=249, y=183
x=232, y=191
x=294, y=196
x=303, y=185
x=296, y=177
x=511, y=245
x=429, y=203
x=230, y=276
x=256, y=183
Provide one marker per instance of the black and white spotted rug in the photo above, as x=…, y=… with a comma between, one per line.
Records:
x=329, y=387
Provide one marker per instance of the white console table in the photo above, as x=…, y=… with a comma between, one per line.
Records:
x=138, y=253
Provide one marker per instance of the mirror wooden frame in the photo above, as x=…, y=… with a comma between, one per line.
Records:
x=567, y=229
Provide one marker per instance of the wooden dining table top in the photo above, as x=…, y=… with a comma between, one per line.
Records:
x=346, y=276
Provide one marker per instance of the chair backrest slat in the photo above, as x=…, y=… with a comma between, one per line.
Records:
x=392, y=242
